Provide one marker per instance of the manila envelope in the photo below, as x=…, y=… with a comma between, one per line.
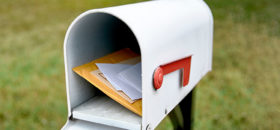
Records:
x=90, y=72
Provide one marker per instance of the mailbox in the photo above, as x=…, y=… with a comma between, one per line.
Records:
x=171, y=36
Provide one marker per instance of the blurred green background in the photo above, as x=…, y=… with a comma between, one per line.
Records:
x=242, y=91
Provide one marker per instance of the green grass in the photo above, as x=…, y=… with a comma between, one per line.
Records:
x=242, y=91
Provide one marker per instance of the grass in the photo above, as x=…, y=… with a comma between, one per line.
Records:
x=242, y=91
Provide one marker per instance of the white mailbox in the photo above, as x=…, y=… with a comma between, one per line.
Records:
x=169, y=34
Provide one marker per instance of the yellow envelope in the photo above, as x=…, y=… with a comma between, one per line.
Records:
x=91, y=73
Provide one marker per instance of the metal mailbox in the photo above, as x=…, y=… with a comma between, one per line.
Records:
x=169, y=35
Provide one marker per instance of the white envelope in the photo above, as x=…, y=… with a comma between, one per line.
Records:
x=111, y=71
x=132, y=76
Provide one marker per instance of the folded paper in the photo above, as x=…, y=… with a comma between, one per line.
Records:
x=111, y=72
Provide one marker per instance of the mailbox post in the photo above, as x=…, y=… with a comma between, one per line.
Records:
x=172, y=36
x=186, y=108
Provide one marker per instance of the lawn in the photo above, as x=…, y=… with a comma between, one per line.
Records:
x=242, y=91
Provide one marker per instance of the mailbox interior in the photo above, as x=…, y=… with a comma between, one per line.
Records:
x=90, y=37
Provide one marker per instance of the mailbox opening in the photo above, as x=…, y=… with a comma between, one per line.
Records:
x=92, y=36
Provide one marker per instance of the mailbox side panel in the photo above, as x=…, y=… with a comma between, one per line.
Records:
x=192, y=37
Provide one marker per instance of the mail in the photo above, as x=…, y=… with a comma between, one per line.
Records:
x=124, y=77
x=118, y=75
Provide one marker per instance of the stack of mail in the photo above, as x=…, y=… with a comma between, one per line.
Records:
x=124, y=77
x=118, y=75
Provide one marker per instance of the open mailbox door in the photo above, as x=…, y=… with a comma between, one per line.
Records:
x=170, y=36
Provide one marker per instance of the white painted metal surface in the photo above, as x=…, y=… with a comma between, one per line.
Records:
x=165, y=31
x=103, y=110
x=84, y=125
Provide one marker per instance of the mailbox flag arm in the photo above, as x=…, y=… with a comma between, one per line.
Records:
x=162, y=70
